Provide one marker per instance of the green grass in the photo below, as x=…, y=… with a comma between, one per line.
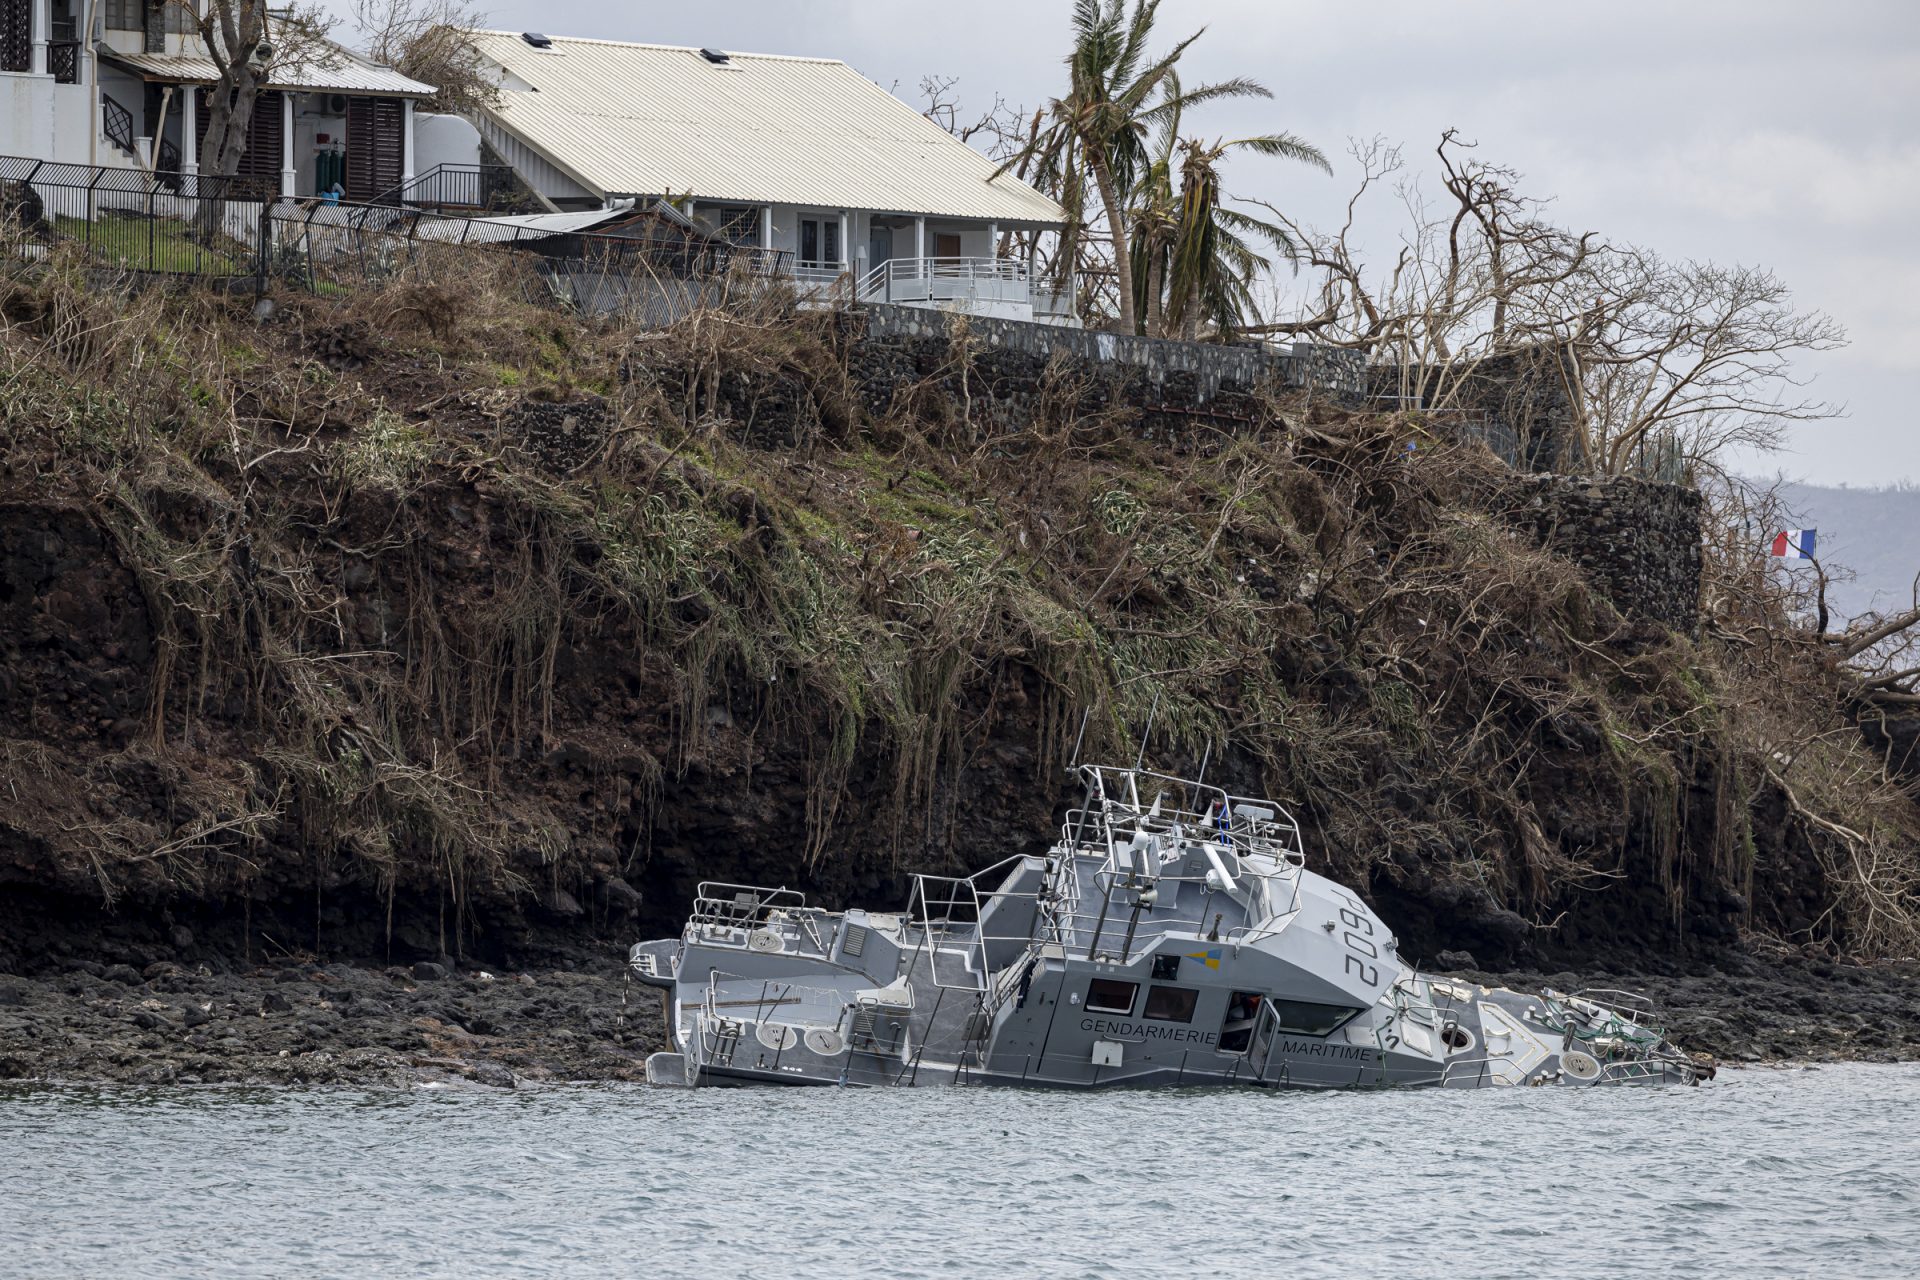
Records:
x=152, y=244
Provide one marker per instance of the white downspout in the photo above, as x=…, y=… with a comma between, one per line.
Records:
x=289, y=176
x=189, y=140
x=406, y=143
x=93, y=79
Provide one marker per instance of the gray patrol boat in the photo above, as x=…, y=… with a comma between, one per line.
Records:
x=1172, y=936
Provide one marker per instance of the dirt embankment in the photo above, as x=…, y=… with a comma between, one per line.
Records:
x=436, y=628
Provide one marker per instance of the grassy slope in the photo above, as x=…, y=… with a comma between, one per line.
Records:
x=392, y=636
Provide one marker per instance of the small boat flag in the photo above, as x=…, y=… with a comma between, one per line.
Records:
x=1210, y=957
x=1794, y=544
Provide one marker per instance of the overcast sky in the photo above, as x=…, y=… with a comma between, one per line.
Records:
x=1757, y=131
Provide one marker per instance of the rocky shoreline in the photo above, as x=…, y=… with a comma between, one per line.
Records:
x=387, y=1026
x=331, y=1024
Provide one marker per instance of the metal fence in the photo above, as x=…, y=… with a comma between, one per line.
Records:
x=175, y=224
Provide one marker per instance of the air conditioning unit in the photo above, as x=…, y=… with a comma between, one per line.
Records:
x=336, y=104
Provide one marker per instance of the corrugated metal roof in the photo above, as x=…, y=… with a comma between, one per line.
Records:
x=644, y=119
x=516, y=226
x=338, y=74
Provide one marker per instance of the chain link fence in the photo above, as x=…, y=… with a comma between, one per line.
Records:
x=653, y=269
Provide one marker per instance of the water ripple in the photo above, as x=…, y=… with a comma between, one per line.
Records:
x=1760, y=1174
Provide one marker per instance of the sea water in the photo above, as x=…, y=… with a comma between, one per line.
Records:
x=1774, y=1172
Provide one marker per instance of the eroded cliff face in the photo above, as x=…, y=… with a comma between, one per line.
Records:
x=493, y=635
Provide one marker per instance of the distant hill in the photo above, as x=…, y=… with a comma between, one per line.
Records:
x=1873, y=532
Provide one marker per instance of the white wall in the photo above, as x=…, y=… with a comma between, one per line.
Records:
x=46, y=121
x=443, y=139
x=534, y=170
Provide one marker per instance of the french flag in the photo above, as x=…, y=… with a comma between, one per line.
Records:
x=1794, y=544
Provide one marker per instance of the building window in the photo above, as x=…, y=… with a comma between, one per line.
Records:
x=127, y=15
x=820, y=241
x=1171, y=1004
x=1104, y=995
x=741, y=226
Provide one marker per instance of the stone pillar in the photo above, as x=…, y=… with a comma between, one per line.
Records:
x=920, y=239
x=289, y=176
x=766, y=227
x=406, y=141
x=846, y=246
x=42, y=27
x=993, y=240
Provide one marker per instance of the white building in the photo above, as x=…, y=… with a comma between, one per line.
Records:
x=804, y=157
x=121, y=84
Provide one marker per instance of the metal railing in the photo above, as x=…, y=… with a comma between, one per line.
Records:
x=117, y=123
x=489, y=188
x=931, y=908
x=1134, y=842
x=16, y=35
x=946, y=280
x=63, y=60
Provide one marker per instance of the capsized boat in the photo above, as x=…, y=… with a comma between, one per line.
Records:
x=1172, y=936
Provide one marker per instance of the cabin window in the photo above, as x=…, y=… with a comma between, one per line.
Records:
x=1286, y=1017
x=1166, y=968
x=1303, y=1018
x=1104, y=995
x=1171, y=1004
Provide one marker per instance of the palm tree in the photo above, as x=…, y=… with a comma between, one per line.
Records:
x=1211, y=266
x=1116, y=94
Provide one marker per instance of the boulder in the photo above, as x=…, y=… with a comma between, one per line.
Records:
x=493, y=1075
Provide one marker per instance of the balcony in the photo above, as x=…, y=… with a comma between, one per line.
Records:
x=981, y=286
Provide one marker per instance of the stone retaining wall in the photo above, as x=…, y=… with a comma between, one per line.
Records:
x=1638, y=541
x=1010, y=363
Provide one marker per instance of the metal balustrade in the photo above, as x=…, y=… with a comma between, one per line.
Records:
x=63, y=60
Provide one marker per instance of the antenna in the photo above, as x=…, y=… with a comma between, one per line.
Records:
x=1187, y=789
x=1147, y=732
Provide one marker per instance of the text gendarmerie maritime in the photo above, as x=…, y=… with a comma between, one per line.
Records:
x=1148, y=1031
x=1187, y=1035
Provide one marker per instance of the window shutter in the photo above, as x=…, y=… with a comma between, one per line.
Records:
x=260, y=163
x=374, y=143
